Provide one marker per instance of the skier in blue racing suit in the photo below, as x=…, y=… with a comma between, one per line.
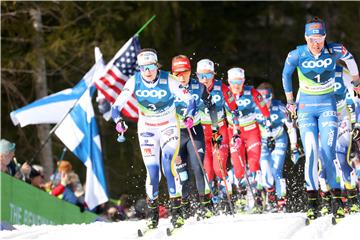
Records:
x=315, y=63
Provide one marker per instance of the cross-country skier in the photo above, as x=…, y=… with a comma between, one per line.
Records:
x=181, y=68
x=248, y=99
x=315, y=64
x=158, y=129
x=273, y=157
x=216, y=134
x=343, y=143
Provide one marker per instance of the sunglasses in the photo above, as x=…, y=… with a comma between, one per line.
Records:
x=205, y=75
x=148, y=67
x=177, y=74
x=316, y=39
x=236, y=81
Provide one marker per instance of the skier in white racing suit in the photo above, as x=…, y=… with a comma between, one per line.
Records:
x=158, y=128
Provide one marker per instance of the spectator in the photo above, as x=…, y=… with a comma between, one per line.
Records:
x=7, y=154
x=141, y=209
x=125, y=208
x=36, y=177
x=69, y=187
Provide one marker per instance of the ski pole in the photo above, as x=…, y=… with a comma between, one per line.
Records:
x=224, y=179
x=199, y=160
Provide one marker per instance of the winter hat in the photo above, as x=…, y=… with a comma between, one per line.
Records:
x=181, y=63
x=147, y=56
x=6, y=146
x=236, y=72
x=205, y=64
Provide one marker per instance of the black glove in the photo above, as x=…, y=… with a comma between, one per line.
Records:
x=356, y=134
x=270, y=143
x=216, y=137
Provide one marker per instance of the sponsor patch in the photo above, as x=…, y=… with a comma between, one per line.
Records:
x=147, y=134
x=163, y=81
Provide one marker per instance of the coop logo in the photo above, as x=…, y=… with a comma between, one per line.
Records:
x=274, y=117
x=243, y=102
x=319, y=63
x=195, y=96
x=216, y=98
x=337, y=86
x=151, y=93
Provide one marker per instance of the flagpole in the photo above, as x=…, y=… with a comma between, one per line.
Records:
x=56, y=127
x=145, y=25
x=77, y=100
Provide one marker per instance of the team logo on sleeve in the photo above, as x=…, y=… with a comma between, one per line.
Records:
x=230, y=96
x=343, y=50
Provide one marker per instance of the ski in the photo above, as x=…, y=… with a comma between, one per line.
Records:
x=172, y=230
x=142, y=232
x=335, y=220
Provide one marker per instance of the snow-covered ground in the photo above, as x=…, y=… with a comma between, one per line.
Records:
x=247, y=226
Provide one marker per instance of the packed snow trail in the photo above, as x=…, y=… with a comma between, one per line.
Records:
x=257, y=226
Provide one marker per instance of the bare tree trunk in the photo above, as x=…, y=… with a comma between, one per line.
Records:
x=176, y=11
x=41, y=90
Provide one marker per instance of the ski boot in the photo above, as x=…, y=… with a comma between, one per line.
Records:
x=176, y=217
x=271, y=200
x=337, y=206
x=281, y=204
x=258, y=205
x=325, y=203
x=153, y=214
x=206, y=209
x=313, y=204
x=185, y=208
x=353, y=201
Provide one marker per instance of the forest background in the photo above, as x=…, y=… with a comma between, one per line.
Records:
x=48, y=46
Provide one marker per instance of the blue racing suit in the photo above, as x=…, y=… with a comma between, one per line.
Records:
x=317, y=106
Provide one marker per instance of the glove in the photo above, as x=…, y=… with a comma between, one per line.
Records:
x=270, y=143
x=355, y=134
x=216, y=137
x=236, y=140
x=189, y=122
x=291, y=108
x=208, y=101
x=295, y=155
x=356, y=88
x=121, y=126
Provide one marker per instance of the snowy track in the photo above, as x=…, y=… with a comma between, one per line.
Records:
x=258, y=226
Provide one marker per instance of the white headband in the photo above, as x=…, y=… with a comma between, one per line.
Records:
x=205, y=64
x=236, y=72
x=146, y=57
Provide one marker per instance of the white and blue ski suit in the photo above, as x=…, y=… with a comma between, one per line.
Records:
x=317, y=112
x=272, y=163
x=158, y=127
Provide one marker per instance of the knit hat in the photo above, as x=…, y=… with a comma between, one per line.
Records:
x=6, y=146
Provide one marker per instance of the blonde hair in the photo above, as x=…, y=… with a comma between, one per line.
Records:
x=65, y=166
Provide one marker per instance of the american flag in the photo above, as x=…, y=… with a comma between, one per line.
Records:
x=121, y=67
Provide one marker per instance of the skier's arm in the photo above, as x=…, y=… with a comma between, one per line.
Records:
x=121, y=100
x=290, y=126
x=348, y=58
x=231, y=103
x=289, y=67
x=184, y=95
x=259, y=101
x=210, y=105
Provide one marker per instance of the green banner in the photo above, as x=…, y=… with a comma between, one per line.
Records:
x=21, y=203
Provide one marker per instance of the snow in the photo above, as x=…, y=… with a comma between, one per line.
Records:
x=246, y=226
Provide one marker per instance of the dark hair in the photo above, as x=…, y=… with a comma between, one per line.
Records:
x=316, y=19
x=148, y=50
x=266, y=85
